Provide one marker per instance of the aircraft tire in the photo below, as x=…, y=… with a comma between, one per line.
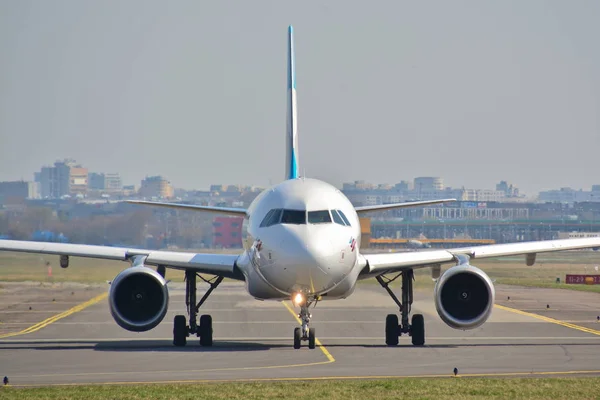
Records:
x=297, y=338
x=206, y=331
x=391, y=330
x=311, y=338
x=180, y=331
x=418, y=330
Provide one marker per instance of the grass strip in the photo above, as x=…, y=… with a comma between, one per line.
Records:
x=454, y=388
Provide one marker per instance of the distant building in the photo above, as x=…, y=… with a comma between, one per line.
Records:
x=110, y=183
x=577, y=235
x=218, y=188
x=227, y=232
x=78, y=180
x=428, y=183
x=476, y=210
x=228, y=188
x=113, y=183
x=54, y=182
x=129, y=190
x=384, y=186
x=17, y=191
x=508, y=189
x=424, y=188
x=64, y=178
x=156, y=186
x=96, y=181
x=359, y=185
x=568, y=195
x=403, y=186
x=482, y=195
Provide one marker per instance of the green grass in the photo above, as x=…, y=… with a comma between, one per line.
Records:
x=19, y=267
x=547, y=285
x=460, y=388
x=548, y=267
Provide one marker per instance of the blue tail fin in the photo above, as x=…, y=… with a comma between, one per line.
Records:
x=291, y=162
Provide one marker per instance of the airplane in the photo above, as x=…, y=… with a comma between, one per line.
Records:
x=417, y=244
x=301, y=243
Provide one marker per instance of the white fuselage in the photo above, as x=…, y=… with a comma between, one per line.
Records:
x=301, y=235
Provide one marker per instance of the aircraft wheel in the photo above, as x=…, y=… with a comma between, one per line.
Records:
x=391, y=330
x=311, y=338
x=418, y=330
x=206, y=331
x=180, y=330
x=297, y=337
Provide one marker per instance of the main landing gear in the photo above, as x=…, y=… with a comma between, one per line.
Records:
x=203, y=329
x=392, y=329
x=303, y=333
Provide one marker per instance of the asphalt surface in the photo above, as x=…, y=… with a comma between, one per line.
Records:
x=253, y=339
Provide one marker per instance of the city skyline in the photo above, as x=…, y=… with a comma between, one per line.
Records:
x=399, y=184
x=473, y=92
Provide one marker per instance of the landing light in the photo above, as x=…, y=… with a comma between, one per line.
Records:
x=298, y=299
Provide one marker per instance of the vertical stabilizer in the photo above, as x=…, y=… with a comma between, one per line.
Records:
x=291, y=160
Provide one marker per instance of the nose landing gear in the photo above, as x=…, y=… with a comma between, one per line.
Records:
x=304, y=332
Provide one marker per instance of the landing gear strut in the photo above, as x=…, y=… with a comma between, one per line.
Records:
x=203, y=329
x=392, y=329
x=304, y=332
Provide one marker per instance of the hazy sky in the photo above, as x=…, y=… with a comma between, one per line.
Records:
x=473, y=91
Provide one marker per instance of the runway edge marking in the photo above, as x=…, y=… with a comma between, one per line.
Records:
x=317, y=341
x=551, y=320
x=64, y=314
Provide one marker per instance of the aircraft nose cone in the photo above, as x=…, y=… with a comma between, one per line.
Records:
x=303, y=261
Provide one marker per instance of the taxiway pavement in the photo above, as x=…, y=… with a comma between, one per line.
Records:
x=253, y=340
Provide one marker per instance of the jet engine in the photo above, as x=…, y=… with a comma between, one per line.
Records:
x=138, y=298
x=464, y=297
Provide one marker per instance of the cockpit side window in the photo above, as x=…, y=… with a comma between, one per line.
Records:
x=319, y=217
x=293, y=217
x=336, y=217
x=344, y=217
x=271, y=218
x=266, y=218
x=275, y=217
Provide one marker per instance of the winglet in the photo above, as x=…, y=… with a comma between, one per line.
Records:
x=291, y=162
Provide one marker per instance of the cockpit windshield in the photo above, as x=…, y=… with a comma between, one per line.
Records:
x=319, y=217
x=293, y=217
x=300, y=217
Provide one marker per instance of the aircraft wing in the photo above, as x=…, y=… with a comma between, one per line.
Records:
x=215, y=264
x=376, y=264
x=240, y=212
x=384, y=207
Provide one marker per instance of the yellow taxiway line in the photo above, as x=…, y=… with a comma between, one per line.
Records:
x=551, y=320
x=57, y=317
x=317, y=341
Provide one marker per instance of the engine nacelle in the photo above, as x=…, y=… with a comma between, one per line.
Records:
x=464, y=297
x=138, y=298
